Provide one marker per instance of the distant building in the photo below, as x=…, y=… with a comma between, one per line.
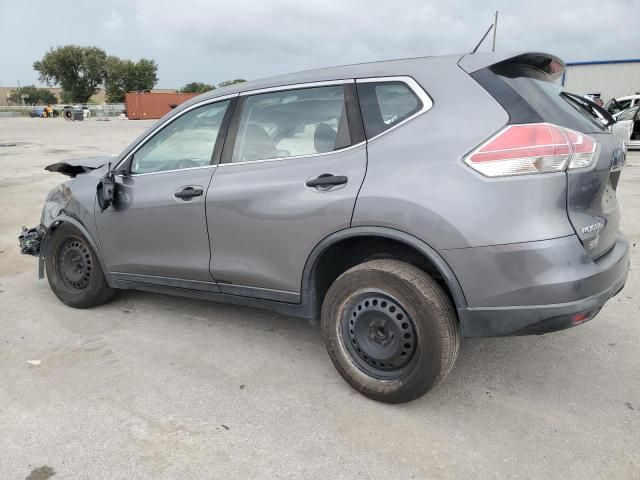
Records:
x=609, y=78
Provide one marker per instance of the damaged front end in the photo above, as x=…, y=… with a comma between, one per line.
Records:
x=71, y=201
x=32, y=239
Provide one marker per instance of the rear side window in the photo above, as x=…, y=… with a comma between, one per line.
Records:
x=385, y=104
x=292, y=123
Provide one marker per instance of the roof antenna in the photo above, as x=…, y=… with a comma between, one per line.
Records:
x=495, y=31
x=482, y=39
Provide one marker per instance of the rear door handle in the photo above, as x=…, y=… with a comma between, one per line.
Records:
x=327, y=180
x=189, y=192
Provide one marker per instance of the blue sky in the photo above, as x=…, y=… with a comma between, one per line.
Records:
x=211, y=41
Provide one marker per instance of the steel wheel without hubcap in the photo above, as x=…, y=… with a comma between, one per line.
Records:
x=73, y=269
x=379, y=334
x=74, y=264
x=389, y=329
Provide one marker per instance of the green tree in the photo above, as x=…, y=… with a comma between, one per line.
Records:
x=226, y=83
x=122, y=76
x=66, y=97
x=197, y=87
x=79, y=70
x=40, y=96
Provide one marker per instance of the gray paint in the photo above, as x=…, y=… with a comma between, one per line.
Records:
x=592, y=197
x=533, y=273
x=264, y=222
x=151, y=232
x=503, y=245
x=388, y=233
x=416, y=180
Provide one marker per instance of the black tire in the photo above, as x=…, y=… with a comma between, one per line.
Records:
x=73, y=269
x=390, y=330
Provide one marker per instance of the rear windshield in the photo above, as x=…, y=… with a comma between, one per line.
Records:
x=545, y=98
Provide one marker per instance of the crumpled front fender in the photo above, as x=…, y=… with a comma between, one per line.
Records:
x=44, y=246
x=56, y=201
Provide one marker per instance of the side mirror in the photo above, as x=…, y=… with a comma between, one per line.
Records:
x=105, y=191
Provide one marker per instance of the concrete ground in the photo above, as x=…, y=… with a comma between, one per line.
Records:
x=155, y=387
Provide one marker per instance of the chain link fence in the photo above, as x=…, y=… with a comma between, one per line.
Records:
x=103, y=110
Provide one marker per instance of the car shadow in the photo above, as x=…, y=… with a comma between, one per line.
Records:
x=511, y=365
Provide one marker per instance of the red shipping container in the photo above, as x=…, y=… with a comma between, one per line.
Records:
x=152, y=105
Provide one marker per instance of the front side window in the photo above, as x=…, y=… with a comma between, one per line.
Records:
x=385, y=104
x=292, y=123
x=186, y=142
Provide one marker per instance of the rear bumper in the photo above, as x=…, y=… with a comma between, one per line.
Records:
x=537, y=287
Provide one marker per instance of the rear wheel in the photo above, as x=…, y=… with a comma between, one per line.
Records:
x=73, y=270
x=390, y=330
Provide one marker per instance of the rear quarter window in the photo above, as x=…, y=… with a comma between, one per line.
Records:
x=385, y=104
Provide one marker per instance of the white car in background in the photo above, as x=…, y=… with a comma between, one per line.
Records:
x=616, y=106
x=627, y=126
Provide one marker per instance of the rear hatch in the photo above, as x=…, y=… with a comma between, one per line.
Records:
x=528, y=87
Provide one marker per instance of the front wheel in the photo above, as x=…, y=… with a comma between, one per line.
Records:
x=390, y=330
x=74, y=271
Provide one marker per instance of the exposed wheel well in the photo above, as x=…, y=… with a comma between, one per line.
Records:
x=344, y=254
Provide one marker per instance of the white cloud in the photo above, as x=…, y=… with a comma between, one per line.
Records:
x=269, y=37
x=214, y=40
x=113, y=23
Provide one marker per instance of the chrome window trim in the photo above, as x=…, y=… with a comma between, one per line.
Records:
x=416, y=88
x=170, y=171
x=424, y=97
x=297, y=86
x=164, y=124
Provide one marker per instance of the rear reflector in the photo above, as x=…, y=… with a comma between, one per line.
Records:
x=532, y=148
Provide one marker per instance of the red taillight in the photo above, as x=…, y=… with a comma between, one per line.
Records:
x=532, y=148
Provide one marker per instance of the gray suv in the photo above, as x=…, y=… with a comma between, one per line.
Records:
x=406, y=203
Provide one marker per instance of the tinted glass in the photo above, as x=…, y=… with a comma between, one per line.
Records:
x=615, y=106
x=628, y=114
x=186, y=142
x=544, y=96
x=292, y=123
x=384, y=104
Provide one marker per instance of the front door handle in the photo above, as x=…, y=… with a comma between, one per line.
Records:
x=189, y=192
x=327, y=180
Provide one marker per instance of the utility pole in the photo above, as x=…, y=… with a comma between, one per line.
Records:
x=495, y=30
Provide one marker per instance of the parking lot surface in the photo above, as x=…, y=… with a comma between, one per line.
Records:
x=159, y=387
